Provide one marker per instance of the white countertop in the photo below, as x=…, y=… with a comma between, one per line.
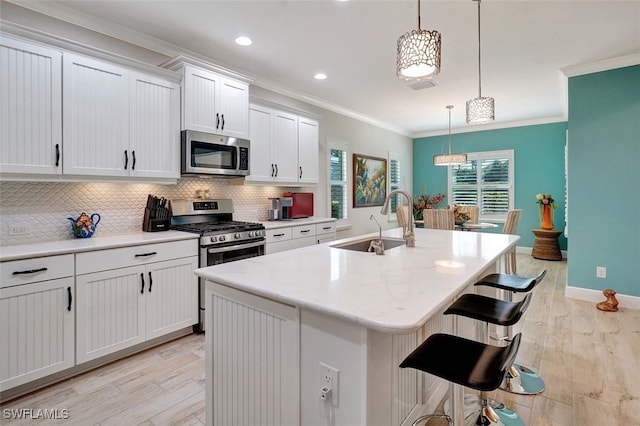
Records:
x=97, y=242
x=394, y=293
x=275, y=224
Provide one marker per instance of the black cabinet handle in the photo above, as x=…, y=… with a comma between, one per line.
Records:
x=276, y=170
x=217, y=120
x=278, y=235
x=133, y=165
x=30, y=271
x=146, y=254
x=304, y=231
x=150, y=281
x=300, y=177
x=326, y=228
x=70, y=299
x=222, y=128
x=142, y=279
x=57, y=155
x=126, y=159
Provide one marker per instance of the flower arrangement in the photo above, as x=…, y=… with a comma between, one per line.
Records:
x=425, y=201
x=460, y=216
x=546, y=206
x=546, y=199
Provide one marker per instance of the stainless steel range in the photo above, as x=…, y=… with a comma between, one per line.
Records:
x=222, y=239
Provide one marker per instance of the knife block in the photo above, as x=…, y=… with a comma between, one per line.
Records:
x=153, y=224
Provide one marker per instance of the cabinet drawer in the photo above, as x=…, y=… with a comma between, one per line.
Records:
x=325, y=228
x=102, y=260
x=303, y=231
x=280, y=234
x=27, y=271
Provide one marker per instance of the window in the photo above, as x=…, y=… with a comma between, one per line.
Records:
x=486, y=180
x=394, y=183
x=338, y=180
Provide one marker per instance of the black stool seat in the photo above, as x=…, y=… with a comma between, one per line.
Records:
x=462, y=361
x=510, y=282
x=488, y=309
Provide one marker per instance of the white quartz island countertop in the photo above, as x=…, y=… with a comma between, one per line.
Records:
x=393, y=293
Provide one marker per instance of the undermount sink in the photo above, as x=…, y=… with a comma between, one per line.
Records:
x=363, y=245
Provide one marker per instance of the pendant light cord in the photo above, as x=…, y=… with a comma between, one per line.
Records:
x=479, y=69
x=419, y=28
x=449, y=107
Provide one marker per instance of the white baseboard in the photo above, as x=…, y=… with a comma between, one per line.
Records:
x=596, y=296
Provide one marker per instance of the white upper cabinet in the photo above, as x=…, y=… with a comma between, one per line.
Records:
x=30, y=108
x=308, y=150
x=284, y=147
x=155, y=127
x=119, y=122
x=214, y=103
x=96, y=117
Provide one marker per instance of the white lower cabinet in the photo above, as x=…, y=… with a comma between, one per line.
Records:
x=118, y=308
x=292, y=237
x=37, y=310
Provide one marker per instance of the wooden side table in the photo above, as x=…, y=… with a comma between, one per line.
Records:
x=546, y=245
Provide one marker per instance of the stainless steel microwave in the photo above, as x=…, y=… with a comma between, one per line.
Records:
x=208, y=154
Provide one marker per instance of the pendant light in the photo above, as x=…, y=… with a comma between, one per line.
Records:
x=418, y=54
x=449, y=159
x=480, y=109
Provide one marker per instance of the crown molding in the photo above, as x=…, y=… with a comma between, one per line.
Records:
x=604, y=65
x=494, y=126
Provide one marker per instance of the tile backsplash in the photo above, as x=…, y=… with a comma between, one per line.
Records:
x=43, y=207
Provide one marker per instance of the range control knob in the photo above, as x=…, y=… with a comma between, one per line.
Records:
x=250, y=234
x=222, y=238
x=237, y=235
x=214, y=239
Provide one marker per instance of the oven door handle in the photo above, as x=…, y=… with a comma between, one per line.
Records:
x=235, y=247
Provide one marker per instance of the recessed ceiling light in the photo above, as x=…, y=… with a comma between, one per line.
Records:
x=320, y=76
x=243, y=41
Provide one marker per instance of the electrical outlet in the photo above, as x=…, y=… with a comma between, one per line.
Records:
x=17, y=230
x=329, y=377
x=601, y=271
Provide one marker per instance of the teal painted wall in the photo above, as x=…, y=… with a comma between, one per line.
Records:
x=604, y=180
x=539, y=167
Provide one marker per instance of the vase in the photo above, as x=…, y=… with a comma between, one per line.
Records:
x=546, y=217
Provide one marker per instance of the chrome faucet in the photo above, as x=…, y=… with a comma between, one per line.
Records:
x=407, y=234
x=377, y=246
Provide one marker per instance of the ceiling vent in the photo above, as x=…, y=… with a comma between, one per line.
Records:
x=425, y=84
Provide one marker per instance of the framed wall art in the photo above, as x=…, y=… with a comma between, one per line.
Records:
x=369, y=180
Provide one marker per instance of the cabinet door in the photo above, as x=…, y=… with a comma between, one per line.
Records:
x=260, y=164
x=284, y=146
x=96, y=117
x=200, y=97
x=172, y=297
x=110, y=311
x=308, y=147
x=30, y=106
x=36, y=330
x=234, y=108
x=155, y=127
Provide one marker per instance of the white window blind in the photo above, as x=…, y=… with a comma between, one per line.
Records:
x=395, y=173
x=485, y=180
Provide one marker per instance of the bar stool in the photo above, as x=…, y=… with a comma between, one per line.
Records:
x=492, y=311
x=520, y=380
x=464, y=362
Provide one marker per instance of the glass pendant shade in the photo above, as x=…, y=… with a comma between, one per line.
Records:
x=419, y=55
x=449, y=159
x=480, y=110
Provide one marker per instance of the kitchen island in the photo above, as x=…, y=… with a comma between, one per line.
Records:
x=278, y=327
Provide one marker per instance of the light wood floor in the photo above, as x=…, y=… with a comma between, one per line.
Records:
x=590, y=361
